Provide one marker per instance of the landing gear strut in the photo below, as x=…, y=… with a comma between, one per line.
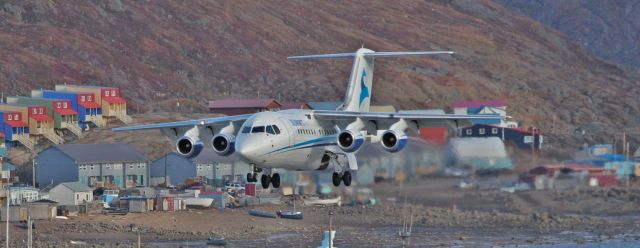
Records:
x=253, y=176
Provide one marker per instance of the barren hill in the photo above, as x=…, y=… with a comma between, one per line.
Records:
x=159, y=51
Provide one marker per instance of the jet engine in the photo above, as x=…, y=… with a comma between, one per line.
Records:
x=223, y=144
x=350, y=140
x=393, y=141
x=189, y=146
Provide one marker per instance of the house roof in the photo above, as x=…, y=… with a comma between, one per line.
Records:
x=242, y=103
x=115, y=152
x=295, y=105
x=76, y=186
x=90, y=104
x=325, y=105
x=16, y=123
x=65, y=111
x=6, y=166
x=478, y=104
x=41, y=118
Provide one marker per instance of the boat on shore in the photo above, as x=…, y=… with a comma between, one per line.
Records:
x=294, y=215
x=216, y=241
x=198, y=202
x=260, y=213
x=316, y=201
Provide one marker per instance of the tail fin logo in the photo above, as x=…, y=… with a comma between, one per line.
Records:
x=364, y=90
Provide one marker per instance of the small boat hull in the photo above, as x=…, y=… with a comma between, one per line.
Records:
x=260, y=213
x=294, y=215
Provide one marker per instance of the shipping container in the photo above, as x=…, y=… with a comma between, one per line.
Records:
x=64, y=117
x=89, y=111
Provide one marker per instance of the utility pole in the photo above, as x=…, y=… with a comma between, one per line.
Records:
x=33, y=172
x=29, y=228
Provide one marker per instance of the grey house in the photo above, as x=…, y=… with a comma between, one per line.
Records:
x=71, y=194
x=208, y=167
x=95, y=165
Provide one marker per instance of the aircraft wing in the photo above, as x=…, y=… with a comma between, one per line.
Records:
x=422, y=119
x=224, y=120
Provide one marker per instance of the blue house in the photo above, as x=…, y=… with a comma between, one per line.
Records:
x=89, y=111
x=207, y=167
x=518, y=137
x=14, y=128
x=95, y=165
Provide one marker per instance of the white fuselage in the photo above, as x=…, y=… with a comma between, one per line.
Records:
x=286, y=139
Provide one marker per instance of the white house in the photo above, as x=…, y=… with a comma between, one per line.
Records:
x=23, y=194
x=71, y=193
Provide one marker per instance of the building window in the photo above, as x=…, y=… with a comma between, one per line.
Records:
x=131, y=166
x=82, y=98
x=40, y=110
x=113, y=92
x=58, y=105
x=494, y=130
x=89, y=98
x=77, y=196
x=108, y=166
x=64, y=105
x=469, y=132
x=16, y=117
x=34, y=111
x=106, y=93
x=481, y=130
x=10, y=117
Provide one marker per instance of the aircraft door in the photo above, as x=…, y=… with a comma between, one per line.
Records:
x=287, y=130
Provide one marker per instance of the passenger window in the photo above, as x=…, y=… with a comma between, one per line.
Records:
x=246, y=129
x=259, y=129
x=270, y=130
x=275, y=128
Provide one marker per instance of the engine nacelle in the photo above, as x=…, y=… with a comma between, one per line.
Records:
x=223, y=144
x=350, y=140
x=393, y=141
x=188, y=146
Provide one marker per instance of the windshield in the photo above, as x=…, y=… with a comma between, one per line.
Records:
x=259, y=129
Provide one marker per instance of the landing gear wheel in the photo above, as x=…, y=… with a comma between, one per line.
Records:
x=264, y=180
x=336, y=179
x=346, y=178
x=275, y=180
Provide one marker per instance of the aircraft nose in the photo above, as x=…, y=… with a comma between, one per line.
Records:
x=247, y=151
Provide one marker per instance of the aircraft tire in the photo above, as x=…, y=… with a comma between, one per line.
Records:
x=336, y=179
x=264, y=181
x=249, y=178
x=275, y=180
x=346, y=178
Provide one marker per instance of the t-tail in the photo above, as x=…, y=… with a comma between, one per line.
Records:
x=358, y=95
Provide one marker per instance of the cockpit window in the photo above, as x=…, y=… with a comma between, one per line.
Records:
x=275, y=128
x=270, y=130
x=246, y=129
x=259, y=129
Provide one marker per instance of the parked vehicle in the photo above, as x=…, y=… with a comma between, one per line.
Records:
x=234, y=187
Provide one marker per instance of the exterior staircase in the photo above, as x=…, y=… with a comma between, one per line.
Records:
x=25, y=141
x=124, y=118
x=50, y=135
x=73, y=127
x=97, y=120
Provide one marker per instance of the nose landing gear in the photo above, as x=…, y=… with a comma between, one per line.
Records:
x=253, y=176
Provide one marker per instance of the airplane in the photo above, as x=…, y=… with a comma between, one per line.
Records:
x=302, y=139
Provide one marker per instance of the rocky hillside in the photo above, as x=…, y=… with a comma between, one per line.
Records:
x=608, y=29
x=160, y=51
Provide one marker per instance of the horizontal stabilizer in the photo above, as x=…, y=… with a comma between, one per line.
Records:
x=325, y=56
x=401, y=54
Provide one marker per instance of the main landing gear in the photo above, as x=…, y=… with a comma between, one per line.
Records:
x=344, y=178
x=266, y=178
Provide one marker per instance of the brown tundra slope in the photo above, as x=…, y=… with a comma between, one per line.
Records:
x=158, y=51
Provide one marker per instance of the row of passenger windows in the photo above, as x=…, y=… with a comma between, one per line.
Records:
x=271, y=129
x=316, y=132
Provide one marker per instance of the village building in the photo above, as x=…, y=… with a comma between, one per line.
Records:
x=208, y=167
x=71, y=194
x=243, y=106
x=112, y=166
